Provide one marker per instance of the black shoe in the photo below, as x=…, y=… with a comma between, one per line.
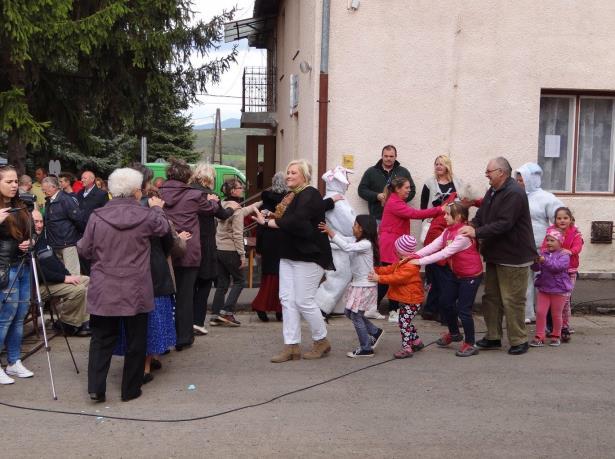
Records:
x=485, y=343
x=262, y=315
x=519, y=349
x=133, y=396
x=98, y=398
x=147, y=377
x=63, y=327
x=376, y=338
x=155, y=364
x=84, y=330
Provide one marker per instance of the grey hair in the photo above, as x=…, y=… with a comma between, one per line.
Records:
x=24, y=179
x=503, y=164
x=51, y=180
x=123, y=182
x=204, y=174
x=278, y=183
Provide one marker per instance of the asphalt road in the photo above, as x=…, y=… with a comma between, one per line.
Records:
x=551, y=402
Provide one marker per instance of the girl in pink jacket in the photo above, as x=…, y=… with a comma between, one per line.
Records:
x=463, y=273
x=572, y=244
x=395, y=222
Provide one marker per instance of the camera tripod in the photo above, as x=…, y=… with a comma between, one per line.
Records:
x=35, y=266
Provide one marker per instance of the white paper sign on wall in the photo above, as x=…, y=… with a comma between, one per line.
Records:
x=552, y=146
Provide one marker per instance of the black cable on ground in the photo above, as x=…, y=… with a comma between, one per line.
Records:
x=209, y=416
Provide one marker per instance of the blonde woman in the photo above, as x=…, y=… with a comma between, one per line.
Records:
x=436, y=191
x=305, y=253
x=203, y=179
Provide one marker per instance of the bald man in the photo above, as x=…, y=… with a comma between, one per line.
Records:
x=90, y=197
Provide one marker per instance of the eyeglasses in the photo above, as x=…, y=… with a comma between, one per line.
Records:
x=487, y=172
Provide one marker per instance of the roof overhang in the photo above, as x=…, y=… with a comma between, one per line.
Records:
x=257, y=30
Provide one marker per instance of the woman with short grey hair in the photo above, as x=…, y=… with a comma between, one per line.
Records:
x=117, y=243
x=267, y=245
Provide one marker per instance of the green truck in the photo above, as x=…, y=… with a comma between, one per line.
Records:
x=223, y=173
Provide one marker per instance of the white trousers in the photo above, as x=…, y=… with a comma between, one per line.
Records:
x=299, y=281
x=530, y=297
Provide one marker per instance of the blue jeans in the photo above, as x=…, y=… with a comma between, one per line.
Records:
x=13, y=312
x=363, y=327
x=458, y=298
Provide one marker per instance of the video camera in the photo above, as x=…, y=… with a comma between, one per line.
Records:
x=29, y=199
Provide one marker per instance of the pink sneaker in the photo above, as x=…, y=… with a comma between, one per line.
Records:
x=403, y=353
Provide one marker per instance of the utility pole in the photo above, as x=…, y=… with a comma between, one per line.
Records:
x=216, y=147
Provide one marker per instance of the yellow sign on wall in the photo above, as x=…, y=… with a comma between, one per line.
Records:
x=348, y=161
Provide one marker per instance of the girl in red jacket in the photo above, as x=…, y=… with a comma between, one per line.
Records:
x=572, y=245
x=405, y=287
x=463, y=273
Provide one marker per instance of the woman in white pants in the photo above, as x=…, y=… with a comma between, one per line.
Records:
x=304, y=255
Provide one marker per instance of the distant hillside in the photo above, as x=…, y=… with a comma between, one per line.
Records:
x=230, y=123
x=233, y=145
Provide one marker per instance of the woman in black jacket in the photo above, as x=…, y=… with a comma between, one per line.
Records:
x=305, y=253
x=15, y=233
x=268, y=297
x=203, y=179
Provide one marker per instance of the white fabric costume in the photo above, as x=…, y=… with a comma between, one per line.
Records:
x=542, y=211
x=340, y=219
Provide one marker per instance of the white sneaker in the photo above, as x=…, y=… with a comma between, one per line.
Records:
x=393, y=317
x=374, y=315
x=199, y=330
x=4, y=378
x=17, y=369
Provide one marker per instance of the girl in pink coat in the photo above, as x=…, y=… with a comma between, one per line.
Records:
x=395, y=223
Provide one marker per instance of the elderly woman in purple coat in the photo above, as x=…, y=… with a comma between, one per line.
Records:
x=116, y=241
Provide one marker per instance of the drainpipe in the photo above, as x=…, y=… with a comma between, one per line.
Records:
x=323, y=95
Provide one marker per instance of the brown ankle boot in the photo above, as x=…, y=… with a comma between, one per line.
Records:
x=320, y=348
x=290, y=352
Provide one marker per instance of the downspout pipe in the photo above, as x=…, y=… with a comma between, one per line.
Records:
x=323, y=95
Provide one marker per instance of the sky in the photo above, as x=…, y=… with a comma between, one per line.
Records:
x=230, y=83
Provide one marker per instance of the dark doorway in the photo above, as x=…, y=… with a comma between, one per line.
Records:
x=260, y=162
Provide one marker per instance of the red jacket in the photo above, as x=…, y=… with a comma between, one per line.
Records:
x=460, y=253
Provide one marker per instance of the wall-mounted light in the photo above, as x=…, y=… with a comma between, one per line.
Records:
x=305, y=67
x=353, y=5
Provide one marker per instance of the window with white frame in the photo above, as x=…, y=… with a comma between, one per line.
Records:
x=575, y=143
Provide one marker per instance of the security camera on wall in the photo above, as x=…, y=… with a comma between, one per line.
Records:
x=353, y=4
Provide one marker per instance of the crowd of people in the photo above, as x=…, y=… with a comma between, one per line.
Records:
x=133, y=263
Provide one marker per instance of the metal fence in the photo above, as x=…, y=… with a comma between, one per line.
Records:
x=258, y=89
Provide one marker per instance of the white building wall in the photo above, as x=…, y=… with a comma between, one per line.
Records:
x=445, y=76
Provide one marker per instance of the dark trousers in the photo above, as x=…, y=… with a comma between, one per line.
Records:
x=382, y=291
x=229, y=264
x=458, y=297
x=436, y=276
x=184, y=304
x=202, y=287
x=105, y=333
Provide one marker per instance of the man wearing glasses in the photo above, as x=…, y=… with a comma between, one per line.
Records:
x=504, y=227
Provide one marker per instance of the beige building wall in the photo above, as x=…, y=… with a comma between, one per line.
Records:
x=444, y=76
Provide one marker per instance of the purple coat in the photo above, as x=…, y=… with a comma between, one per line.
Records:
x=116, y=240
x=553, y=273
x=183, y=205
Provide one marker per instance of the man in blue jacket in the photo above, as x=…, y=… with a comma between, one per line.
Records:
x=57, y=282
x=64, y=223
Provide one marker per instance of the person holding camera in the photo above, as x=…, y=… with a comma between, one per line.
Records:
x=14, y=282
